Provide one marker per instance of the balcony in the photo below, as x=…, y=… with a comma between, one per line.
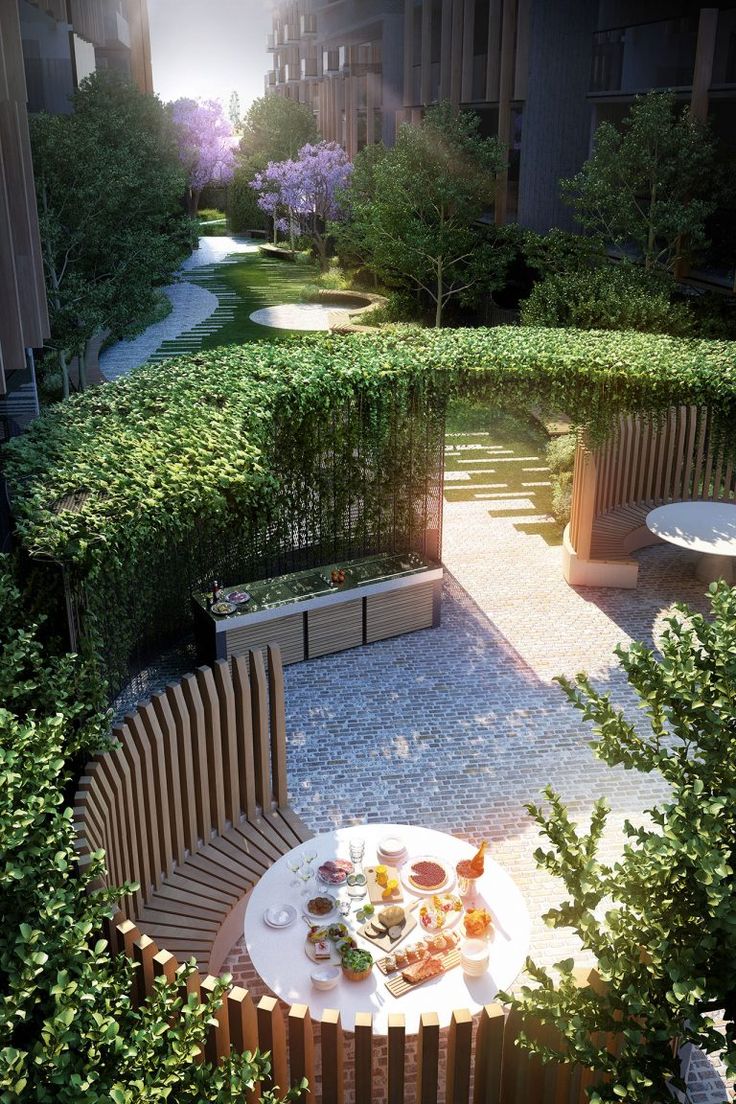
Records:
x=281, y=75
x=271, y=78
x=310, y=68
x=293, y=73
x=330, y=61
x=271, y=41
x=307, y=25
x=651, y=55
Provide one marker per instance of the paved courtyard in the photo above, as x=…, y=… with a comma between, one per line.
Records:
x=457, y=727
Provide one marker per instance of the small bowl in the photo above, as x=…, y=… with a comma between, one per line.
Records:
x=357, y=975
x=325, y=977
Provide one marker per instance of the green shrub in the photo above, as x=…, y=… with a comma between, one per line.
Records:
x=244, y=212
x=714, y=315
x=68, y=1029
x=210, y=214
x=624, y=298
x=402, y=306
x=560, y=456
x=180, y=460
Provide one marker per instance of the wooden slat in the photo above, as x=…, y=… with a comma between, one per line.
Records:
x=459, y=1053
x=243, y=1020
x=488, y=1052
x=272, y=1037
x=261, y=743
x=396, y=1057
x=399, y=611
x=277, y=710
x=134, y=803
x=513, y=1078
x=244, y=731
x=148, y=717
x=113, y=768
x=127, y=935
x=287, y=632
x=217, y=1046
x=200, y=783
x=143, y=951
x=187, y=800
x=228, y=735
x=301, y=1046
x=428, y=1055
x=165, y=966
x=166, y=722
x=333, y=1057
x=363, y=1058
x=335, y=628
x=211, y=707
x=140, y=739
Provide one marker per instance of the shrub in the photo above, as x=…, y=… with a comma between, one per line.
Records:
x=68, y=1028
x=624, y=298
x=560, y=455
x=244, y=212
x=402, y=306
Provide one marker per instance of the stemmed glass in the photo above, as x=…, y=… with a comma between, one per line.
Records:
x=295, y=864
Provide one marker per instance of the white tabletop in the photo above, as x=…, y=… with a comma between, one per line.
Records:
x=702, y=526
x=280, y=959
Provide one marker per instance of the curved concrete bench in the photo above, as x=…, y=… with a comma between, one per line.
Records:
x=192, y=805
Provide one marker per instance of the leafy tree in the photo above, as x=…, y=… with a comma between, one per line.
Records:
x=560, y=251
x=306, y=189
x=661, y=921
x=652, y=184
x=206, y=145
x=235, y=113
x=415, y=219
x=275, y=129
x=68, y=1029
x=109, y=188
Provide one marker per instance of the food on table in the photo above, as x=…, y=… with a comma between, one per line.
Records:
x=381, y=875
x=427, y=874
x=473, y=868
x=222, y=608
x=401, y=959
x=434, y=914
x=322, y=950
x=335, y=871
x=478, y=923
x=391, y=886
x=425, y=968
x=368, y=910
x=389, y=964
x=413, y=954
x=337, y=577
x=347, y=943
x=357, y=964
x=395, y=931
x=316, y=933
x=391, y=916
x=337, y=931
x=320, y=906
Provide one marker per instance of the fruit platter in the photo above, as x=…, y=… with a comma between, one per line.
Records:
x=442, y=910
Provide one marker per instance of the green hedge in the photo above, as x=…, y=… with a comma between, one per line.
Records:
x=229, y=439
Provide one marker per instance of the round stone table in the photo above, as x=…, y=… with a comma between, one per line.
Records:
x=707, y=527
x=280, y=959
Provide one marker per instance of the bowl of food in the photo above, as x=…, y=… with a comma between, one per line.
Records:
x=325, y=977
x=357, y=964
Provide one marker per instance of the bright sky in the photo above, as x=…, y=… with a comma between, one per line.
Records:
x=207, y=49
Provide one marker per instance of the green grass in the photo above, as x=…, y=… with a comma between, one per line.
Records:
x=491, y=433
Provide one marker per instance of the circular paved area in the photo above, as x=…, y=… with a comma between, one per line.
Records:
x=296, y=316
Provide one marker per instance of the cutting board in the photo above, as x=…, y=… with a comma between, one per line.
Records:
x=375, y=891
x=398, y=987
x=384, y=941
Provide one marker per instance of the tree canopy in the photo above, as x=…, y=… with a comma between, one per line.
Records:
x=206, y=145
x=661, y=922
x=413, y=211
x=651, y=185
x=276, y=128
x=109, y=188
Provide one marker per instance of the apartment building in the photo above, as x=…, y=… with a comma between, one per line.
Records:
x=540, y=73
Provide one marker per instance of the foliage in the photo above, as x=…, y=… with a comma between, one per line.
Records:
x=661, y=921
x=412, y=212
x=235, y=113
x=304, y=191
x=181, y=460
x=68, y=1028
x=206, y=145
x=713, y=314
x=561, y=251
x=276, y=128
x=212, y=222
x=116, y=152
x=243, y=209
x=401, y=306
x=653, y=184
x=624, y=297
x=560, y=457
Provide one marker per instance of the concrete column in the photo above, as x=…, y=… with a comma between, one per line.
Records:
x=505, y=92
x=493, y=50
x=446, y=50
x=466, y=83
x=703, y=70
x=408, y=51
x=456, y=63
x=426, y=77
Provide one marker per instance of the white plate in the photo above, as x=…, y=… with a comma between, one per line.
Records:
x=392, y=845
x=451, y=918
x=279, y=916
x=333, y=960
x=405, y=873
x=392, y=860
x=325, y=918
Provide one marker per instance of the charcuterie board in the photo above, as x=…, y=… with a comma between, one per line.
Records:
x=398, y=986
x=375, y=891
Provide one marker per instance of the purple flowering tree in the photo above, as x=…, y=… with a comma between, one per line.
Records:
x=207, y=144
x=304, y=191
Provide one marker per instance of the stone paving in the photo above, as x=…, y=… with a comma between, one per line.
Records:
x=457, y=727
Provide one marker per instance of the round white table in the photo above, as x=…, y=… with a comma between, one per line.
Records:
x=707, y=527
x=280, y=959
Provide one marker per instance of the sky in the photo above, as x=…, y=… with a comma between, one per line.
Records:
x=207, y=49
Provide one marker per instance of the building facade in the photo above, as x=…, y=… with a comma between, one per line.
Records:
x=540, y=74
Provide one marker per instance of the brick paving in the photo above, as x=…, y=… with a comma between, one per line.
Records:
x=456, y=728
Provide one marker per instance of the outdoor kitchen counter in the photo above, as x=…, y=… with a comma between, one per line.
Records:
x=306, y=616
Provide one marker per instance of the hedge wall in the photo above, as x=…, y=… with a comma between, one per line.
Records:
x=130, y=484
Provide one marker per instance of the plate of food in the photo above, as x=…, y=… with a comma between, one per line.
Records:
x=321, y=907
x=239, y=597
x=427, y=874
x=440, y=911
x=222, y=608
x=335, y=872
x=320, y=948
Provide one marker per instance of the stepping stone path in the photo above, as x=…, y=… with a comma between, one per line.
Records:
x=190, y=341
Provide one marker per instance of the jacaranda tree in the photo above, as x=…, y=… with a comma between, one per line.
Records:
x=305, y=191
x=207, y=143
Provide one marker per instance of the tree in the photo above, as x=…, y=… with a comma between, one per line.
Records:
x=306, y=190
x=206, y=145
x=68, y=1028
x=275, y=129
x=661, y=921
x=109, y=187
x=415, y=222
x=235, y=113
x=651, y=184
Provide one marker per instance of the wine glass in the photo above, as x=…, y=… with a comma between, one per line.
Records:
x=295, y=863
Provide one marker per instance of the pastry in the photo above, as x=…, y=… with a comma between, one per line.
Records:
x=426, y=874
x=401, y=960
x=413, y=954
x=427, y=967
x=389, y=964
